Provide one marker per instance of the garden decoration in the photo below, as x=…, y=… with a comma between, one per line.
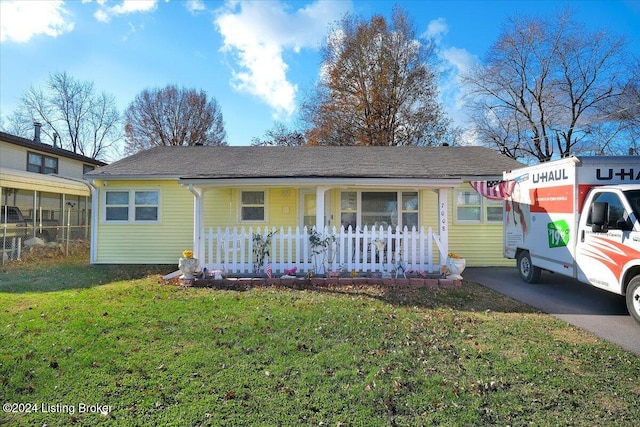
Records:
x=187, y=265
x=401, y=268
x=455, y=266
x=261, y=249
x=323, y=250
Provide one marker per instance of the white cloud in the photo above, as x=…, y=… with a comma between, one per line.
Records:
x=195, y=6
x=259, y=33
x=104, y=14
x=454, y=63
x=436, y=29
x=21, y=20
x=460, y=59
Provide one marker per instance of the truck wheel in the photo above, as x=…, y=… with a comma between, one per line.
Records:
x=633, y=298
x=528, y=272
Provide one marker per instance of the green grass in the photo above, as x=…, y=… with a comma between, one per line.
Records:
x=73, y=334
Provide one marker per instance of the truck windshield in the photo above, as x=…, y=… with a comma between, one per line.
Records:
x=633, y=196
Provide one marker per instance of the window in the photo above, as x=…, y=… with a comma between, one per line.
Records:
x=349, y=209
x=615, y=213
x=146, y=205
x=252, y=206
x=468, y=206
x=379, y=208
x=39, y=163
x=472, y=207
x=137, y=206
x=410, y=209
x=495, y=210
x=117, y=203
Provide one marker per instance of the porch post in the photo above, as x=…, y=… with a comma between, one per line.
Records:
x=443, y=221
x=198, y=224
x=320, y=208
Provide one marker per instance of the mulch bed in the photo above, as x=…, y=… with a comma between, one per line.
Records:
x=243, y=284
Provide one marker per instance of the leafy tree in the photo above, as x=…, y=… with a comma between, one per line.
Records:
x=550, y=88
x=378, y=87
x=74, y=116
x=173, y=116
x=279, y=135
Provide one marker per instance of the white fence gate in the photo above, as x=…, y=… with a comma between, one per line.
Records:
x=365, y=250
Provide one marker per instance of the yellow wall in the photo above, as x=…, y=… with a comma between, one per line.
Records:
x=155, y=243
x=222, y=208
x=479, y=243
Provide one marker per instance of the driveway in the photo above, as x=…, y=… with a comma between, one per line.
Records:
x=602, y=313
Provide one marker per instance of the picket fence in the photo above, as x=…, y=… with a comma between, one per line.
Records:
x=361, y=250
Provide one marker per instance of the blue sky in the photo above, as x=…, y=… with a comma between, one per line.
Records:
x=256, y=59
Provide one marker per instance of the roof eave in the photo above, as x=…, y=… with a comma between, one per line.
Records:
x=329, y=181
x=105, y=177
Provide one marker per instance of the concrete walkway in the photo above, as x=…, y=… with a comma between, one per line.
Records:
x=602, y=313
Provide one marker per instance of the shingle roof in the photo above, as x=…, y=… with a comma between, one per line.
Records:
x=205, y=162
x=23, y=142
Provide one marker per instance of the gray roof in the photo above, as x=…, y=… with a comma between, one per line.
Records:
x=206, y=162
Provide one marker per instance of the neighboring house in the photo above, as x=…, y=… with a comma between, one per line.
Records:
x=151, y=206
x=45, y=183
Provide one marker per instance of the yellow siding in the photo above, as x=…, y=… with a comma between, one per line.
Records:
x=479, y=243
x=283, y=207
x=161, y=243
x=222, y=208
x=157, y=243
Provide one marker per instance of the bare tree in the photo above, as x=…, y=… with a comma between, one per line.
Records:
x=173, y=116
x=281, y=136
x=72, y=113
x=549, y=88
x=378, y=87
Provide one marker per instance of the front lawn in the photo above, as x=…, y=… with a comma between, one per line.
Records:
x=95, y=345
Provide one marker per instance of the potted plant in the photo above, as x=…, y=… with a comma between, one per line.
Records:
x=187, y=265
x=455, y=266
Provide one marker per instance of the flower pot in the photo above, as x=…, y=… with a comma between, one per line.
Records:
x=456, y=267
x=188, y=266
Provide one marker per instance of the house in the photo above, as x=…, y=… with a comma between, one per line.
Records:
x=380, y=204
x=46, y=183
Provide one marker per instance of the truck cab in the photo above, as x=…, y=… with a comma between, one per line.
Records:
x=608, y=245
x=13, y=223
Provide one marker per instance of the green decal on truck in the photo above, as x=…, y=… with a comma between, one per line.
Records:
x=558, y=233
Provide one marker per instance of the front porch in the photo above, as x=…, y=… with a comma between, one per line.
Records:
x=361, y=228
x=375, y=250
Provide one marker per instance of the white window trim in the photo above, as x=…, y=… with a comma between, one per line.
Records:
x=131, y=206
x=484, y=205
x=398, y=199
x=241, y=205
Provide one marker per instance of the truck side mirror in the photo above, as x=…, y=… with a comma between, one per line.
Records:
x=599, y=216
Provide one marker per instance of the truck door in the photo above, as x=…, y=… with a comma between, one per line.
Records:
x=603, y=251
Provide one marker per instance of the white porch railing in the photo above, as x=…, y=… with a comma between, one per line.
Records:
x=366, y=250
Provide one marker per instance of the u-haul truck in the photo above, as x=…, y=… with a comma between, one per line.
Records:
x=580, y=217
